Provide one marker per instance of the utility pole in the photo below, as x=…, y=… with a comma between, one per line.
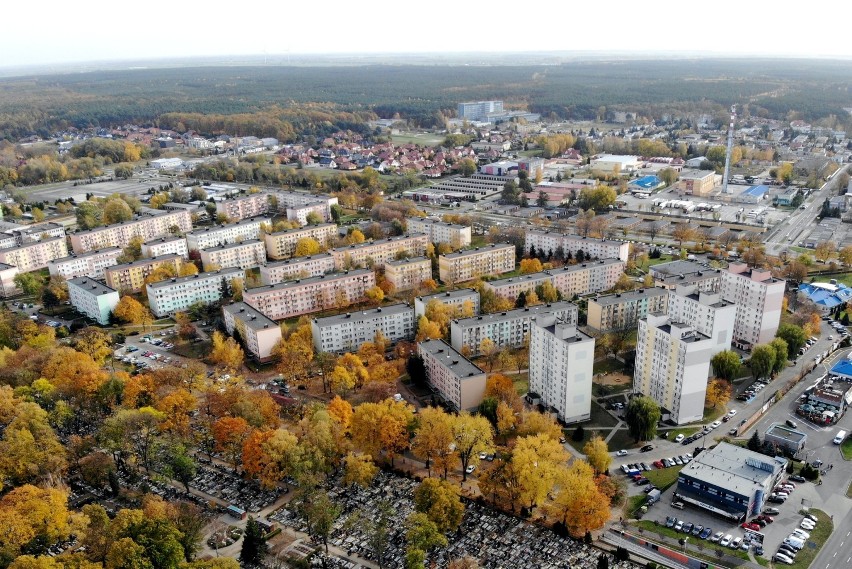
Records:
x=730, y=149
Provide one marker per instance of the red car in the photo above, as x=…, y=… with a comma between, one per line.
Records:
x=765, y=518
x=659, y=464
x=751, y=526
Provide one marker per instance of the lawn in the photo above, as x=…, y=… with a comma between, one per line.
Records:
x=685, y=431
x=709, y=546
x=661, y=260
x=714, y=413
x=846, y=448
x=425, y=139
x=819, y=535
x=662, y=478
x=849, y=491
x=521, y=381
x=193, y=350
x=600, y=422
x=607, y=366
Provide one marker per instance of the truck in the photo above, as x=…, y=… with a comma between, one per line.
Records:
x=653, y=497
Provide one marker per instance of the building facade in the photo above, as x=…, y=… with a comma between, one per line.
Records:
x=570, y=280
x=296, y=268
x=243, y=230
x=455, y=235
x=456, y=299
x=7, y=280
x=146, y=226
x=302, y=213
x=259, y=334
x=305, y=296
x=495, y=259
x=459, y=382
x=479, y=110
x=252, y=205
x=706, y=312
x=347, y=332
x=507, y=329
x=92, y=298
x=130, y=277
x=560, y=370
x=168, y=245
x=91, y=264
x=282, y=244
x=671, y=367
x=408, y=274
x=376, y=253
x=758, y=297
x=244, y=255
x=175, y=295
x=696, y=182
x=35, y=255
x=621, y=311
x=548, y=243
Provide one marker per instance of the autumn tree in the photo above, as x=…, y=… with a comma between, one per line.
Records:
x=131, y=311
x=473, y=434
x=226, y=352
x=307, y=246
x=682, y=232
x=718, y=392
x=579, y=504
x=375, y=295
x=489, y=350
x=537, y=461
x=133, y=432
x=320, y=513
x=33, y=516
x=532, y=422
x=94, y=342
x=433, y=439
x=529, y=266
x=381, y=429
x=440, y=501
x=597, y=454
x=268, y=455
x=427, y=330
x=230, y=434
x=359, y=469
x=725, y=364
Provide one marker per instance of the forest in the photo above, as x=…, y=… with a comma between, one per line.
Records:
x=316, y=100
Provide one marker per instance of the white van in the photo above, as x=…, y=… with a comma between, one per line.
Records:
x=841, y=435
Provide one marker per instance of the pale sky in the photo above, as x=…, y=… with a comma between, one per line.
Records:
x=60, y=31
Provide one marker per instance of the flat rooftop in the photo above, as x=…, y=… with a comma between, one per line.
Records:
x=575, y=237
x=444, y=353
x=305, y=228
x=390, y=310
x=249, y=316
x=246, y=243
x=298, y=260
x=734, y=468
x=479, y=250
x=226, y=226
x=783, y=432
x=379, y=242
x=629, y=296
x=143, y=262
x=91, y=286
x=103, y=251
x=309, y=280
x=679, y=268
x=403, y=262
x=437, y=222
x=527, y=312
x=230, y=271
x=460, y=293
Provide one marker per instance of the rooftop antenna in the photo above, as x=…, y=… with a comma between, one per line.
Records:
x=725, y=189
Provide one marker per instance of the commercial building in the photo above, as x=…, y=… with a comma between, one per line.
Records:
x=459, y=382
x=282, y=244
x=346, y=332
x=243, y=230
x=245, y=255
x=296, y=268
x=758, y=296
x=785, y=438
x=507, y=329
x=826, y=296
x=548, y=243
x=91, y=264
x=408, y=274
x=149, y=224
x=613, y=163
x=706, y=312
x=730, y=481
x=696, y=182
x=474, y=187
x=494, y=259
x=457, y=299
x=752, y=195
x=168, y=245
x=304, y=296
x=453, y=234
x=7, y=280
x=177, y=294
x=92, y=299
x=130, y=277
x=258, y=333
x=35, y=255
x=252, y=205
x=560, y=369
x=672, y=365
x=621, y=311
x=476, y=111
x=375, y=254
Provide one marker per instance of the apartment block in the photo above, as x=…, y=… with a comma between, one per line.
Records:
x=621, y=311
x=259, y=334
x=570, y=280
x=706, y=312
x=252, y=205
x=459, y=382
x=305, y=296
x=507, y=329
x=147, y=225
x=300, y=213
x=92, y=298
x=179, y=293
x=708, y=280
x=282, y=244
x=130, y=277
x=91, y=264
x=245, y=255
x=408, y=274
x=560, y=370
x=374, y=254
x=296, y=268
x=495, y=259
x=758, y=297
x=23, y=234
x=35, y=255
x=547, y=242
x=243, y=230
x=455, y=235
x=672, y=365
x=457, y=299
x=7, y=280
x=346, y=332
x=512, y=287
x=168, y=245
x=296, y=199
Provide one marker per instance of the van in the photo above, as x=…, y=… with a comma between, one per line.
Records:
x=677, y=505
x=838, y=439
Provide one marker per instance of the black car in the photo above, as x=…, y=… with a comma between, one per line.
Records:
x=647, y=448
x=687, y=528
x=796, y=478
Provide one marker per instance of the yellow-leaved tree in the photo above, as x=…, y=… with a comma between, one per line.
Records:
x=537, y=461
x=579, y=503
x=226, y=352
x=597, y=453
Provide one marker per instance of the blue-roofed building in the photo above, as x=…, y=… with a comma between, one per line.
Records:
x=753, y=194
x=826, y=296
x=645, y=185
x=843, y=369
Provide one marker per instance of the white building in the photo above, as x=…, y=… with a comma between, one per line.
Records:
x=91, y=264
x=408, y=274
x=300, y=213
x=613, y=163
x=495, y=259
x=758, y=297
x=92, y=298
x=548, y=242
x=167, y=245
x=375, y=254
x=179, y=293
x=7, y=280
x=455, y=235
x=259, y=334
x=282, y=244
x=706, y=312
x=296, y=268
x=672, y=366
x=245, y=255
x=570, y=280
x=560, y=369
x=455, y=299
x=346, y=332
x=166, y=163
x=242, y=230
x=507, y=329
x=147, y=225
x=454, y=377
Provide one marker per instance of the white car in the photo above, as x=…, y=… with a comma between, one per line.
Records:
x=807, y=525
x=801, y=533
x=726, y=541
x=735, y=544
x=621, y=453
x=679, y=438
x=811, y=517
x=732, y=412
x=782, y=558
x=715, y=424
x=470, y=468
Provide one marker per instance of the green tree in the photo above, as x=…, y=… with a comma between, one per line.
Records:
x=511, y=193
x=466, y=167
x=439, y=499
x=29, y=283
x=726, y=364
x=320, y=513
x=597, y=198
x=254, y=544
x=754, y=443
x=794, y=336
x=642, y=415
x=762, y=361
x=780, y=347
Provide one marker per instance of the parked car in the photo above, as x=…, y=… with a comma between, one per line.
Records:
x=780, y=557
x=716, y=536
x=796, y=478
x=687, y=528
x=670, y=521
x=766, y=519
x=752, y=526
x=679, y=438
x=735, y=543
x=726, y=541
x=621, y=453
x=705, y=533
x=812, y=517
x=696, y=531
x=678, y=525
x=659, y=464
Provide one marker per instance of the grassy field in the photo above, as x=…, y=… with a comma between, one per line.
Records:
x=607, y=366
x=819, y=535
x=662, y=478
x=426, y=139
x=193, y=350
x=521, y=382
x=846, y=448
x=685, y=431
x=713, y=413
